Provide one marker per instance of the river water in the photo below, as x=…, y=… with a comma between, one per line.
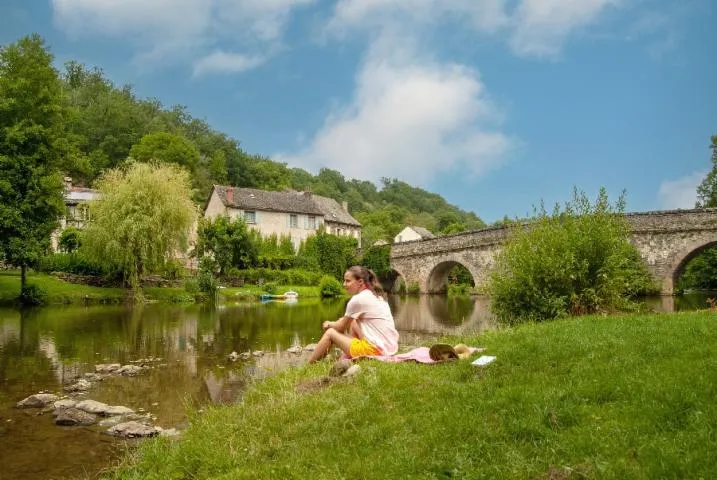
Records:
x=47, y=348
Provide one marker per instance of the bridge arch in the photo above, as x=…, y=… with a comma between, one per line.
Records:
x=391, y=282
x=681, y=259
x=437, y=281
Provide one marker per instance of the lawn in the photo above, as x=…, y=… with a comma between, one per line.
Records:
x=618, y=397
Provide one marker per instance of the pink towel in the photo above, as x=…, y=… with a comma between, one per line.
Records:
x=419, y=354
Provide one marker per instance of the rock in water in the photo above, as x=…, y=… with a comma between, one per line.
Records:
x=107, y=368
x=73, y=416
x=81, y=386
x=132, y=429
x=91, y=406
x=119, y=410
x=37, y=400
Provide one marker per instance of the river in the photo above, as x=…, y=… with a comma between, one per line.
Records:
x=47, y=348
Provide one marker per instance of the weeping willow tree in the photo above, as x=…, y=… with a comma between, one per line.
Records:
x=143, y=219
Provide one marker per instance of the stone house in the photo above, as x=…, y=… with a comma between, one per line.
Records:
x=76, y=209
x=287, y=213
x=411, y=233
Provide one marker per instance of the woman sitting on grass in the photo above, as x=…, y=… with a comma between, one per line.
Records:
x=368, y=320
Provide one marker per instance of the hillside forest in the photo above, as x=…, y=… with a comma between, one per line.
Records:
x=105, y=124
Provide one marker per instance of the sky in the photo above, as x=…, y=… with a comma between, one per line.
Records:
x=496, y=105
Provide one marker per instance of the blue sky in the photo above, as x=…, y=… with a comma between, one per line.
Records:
x=494, y=104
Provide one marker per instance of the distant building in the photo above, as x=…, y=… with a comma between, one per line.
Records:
x=412, y=233
x=380, y=243
x=289, y=213
x=77, y=213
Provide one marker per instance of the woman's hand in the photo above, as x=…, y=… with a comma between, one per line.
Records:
x=326, y=325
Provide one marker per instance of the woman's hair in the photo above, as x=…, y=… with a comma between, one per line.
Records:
x=369, y=279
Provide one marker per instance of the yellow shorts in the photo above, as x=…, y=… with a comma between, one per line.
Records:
x=362, y=348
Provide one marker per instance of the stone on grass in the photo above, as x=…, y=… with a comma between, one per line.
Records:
x=353, y=370
x=340, y=367
x=295, y=349
x=74, y=416
x=310, y=347
x=38, y=400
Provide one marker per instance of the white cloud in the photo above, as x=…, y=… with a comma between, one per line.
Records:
x=541, y=27
x=680, y=193
x=225, y=62
x=150, y=19
x=485, y=15
x=168, y=31
x=410, y=121
x=532, y=27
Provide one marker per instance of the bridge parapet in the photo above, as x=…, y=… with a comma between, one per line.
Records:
x=666, y=240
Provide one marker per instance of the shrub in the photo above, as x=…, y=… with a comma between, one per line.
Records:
x=70, y=240
x=330, y=287
x=33, y=295
x=413, y=289
x=191, y=286
x=574, y=261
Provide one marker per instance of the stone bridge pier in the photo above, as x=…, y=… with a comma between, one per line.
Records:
x=666, y=241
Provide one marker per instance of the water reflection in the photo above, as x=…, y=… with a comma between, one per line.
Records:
x=44, y=349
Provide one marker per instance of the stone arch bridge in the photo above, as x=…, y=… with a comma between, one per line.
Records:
x=666, y=240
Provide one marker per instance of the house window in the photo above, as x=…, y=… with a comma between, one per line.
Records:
x=312, y=223
x=294, y=221
x=250, y=217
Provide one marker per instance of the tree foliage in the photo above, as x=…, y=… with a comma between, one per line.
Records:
x=228, y=242
x=707, y=190
x=701, y=272
x=166, y=147
x=577, y=260
x=31, y=151
x=143, y=219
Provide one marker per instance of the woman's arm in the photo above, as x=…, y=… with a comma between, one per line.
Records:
x=340, y=325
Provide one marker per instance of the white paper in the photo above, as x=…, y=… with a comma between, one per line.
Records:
x=483, y=360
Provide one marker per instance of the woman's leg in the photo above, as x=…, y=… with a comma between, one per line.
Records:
x=330, y=337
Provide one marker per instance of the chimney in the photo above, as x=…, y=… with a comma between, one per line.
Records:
x=307, y=194
x=345, y=206
x=68, y=183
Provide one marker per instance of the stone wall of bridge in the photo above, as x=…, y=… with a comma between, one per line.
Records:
x=666, y=240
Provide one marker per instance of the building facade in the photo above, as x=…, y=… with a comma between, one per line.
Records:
x=410, y=233
x=297, y=215
x=77, y=212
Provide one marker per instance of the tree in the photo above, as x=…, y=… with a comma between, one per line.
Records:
x=707, y=190
x=166, y=147
x=30, y=152
x=229, y=242
x=142, y=221
x=578, y=260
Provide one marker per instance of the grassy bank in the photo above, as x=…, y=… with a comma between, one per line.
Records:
x=60, y=292
x=618, y=397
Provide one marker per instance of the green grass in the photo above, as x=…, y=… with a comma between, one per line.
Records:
x=593, y=397
x=58, y=292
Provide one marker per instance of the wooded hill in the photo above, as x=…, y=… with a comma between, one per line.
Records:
x=105, y=124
